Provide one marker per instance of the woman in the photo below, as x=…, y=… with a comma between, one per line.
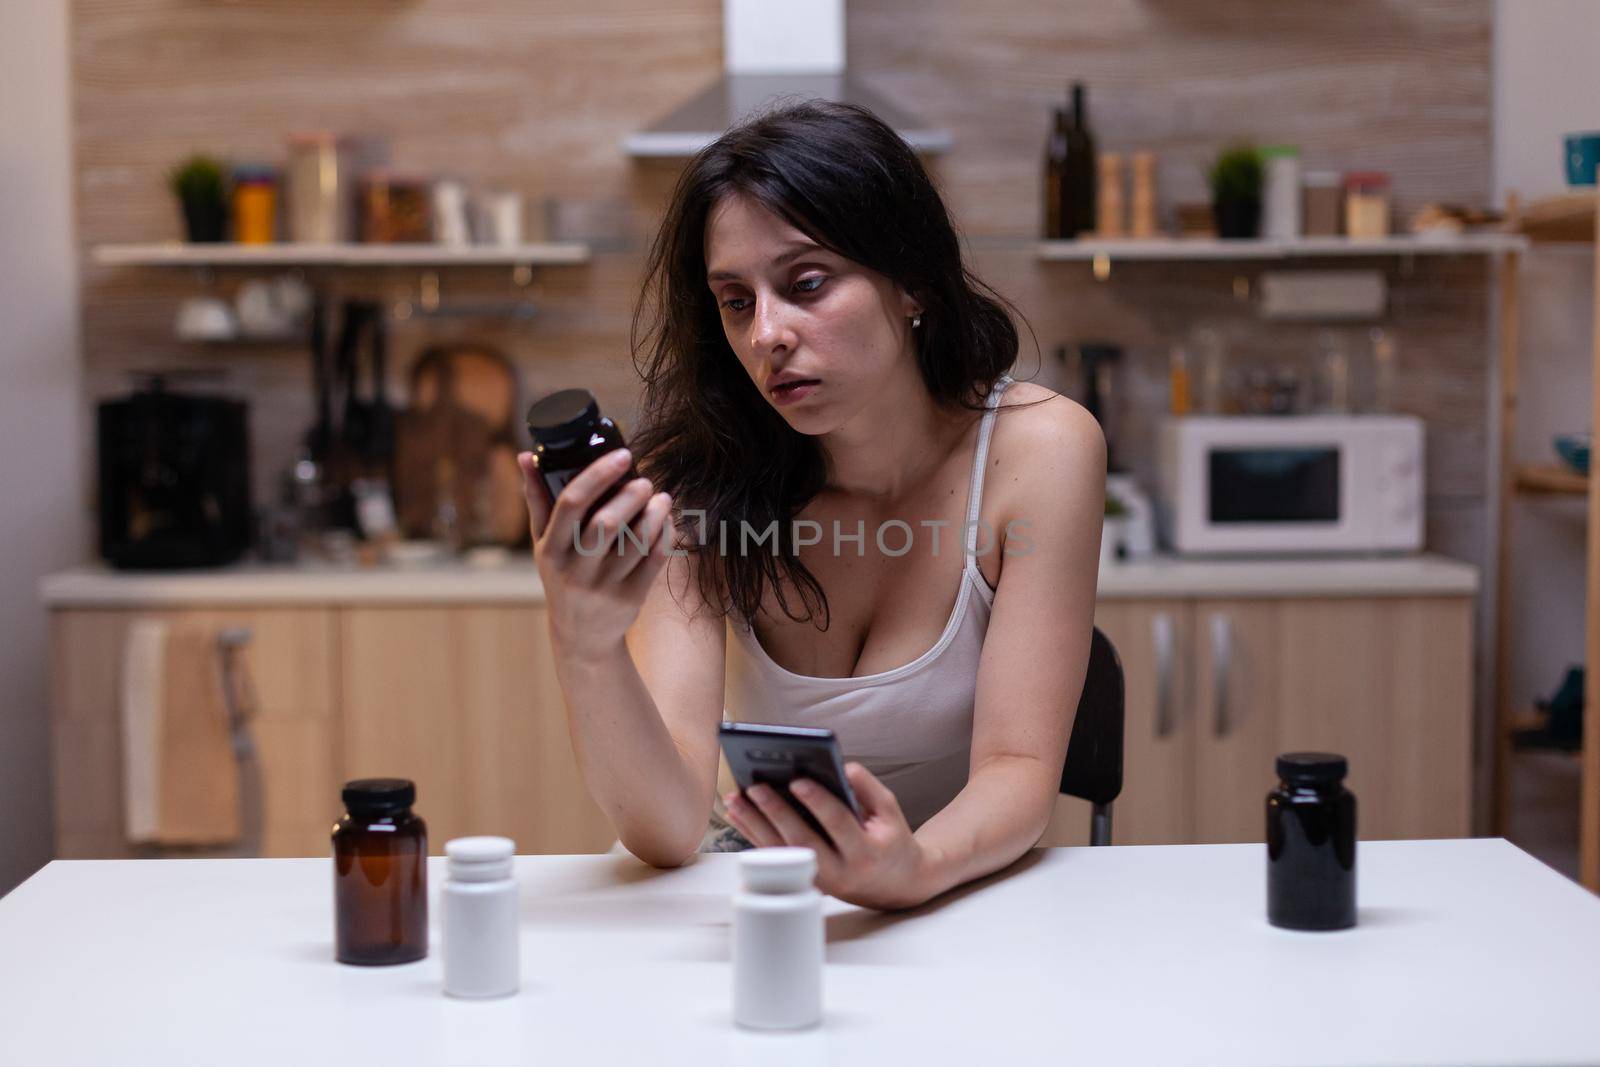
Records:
x=820, y=359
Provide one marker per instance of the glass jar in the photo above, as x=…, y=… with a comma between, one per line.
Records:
x=1322, y=203
x=380, y=874
x=255, y=205
x=1311, y=844
x=312, y=186
x=395, y=210
x=569, y=433
x=1366, y=204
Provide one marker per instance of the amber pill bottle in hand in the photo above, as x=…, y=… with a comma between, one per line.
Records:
x=569, y=433
x=380, y=875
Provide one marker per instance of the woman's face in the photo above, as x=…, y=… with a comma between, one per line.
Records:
x=819, y=334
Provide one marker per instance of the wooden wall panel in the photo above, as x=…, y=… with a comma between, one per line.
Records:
x=535, y=95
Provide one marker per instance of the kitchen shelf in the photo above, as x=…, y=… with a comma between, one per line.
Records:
x=1571, y=217
x=1166, y=248
x=176, y=254
x=1550, y=479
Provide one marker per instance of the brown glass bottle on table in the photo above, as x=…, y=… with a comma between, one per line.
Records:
x=569, y=433
x=380, y=875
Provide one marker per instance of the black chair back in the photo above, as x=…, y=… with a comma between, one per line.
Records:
x=1093, y=767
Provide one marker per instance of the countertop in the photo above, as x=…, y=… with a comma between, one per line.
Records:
x=517, y=582
x=1466, y=952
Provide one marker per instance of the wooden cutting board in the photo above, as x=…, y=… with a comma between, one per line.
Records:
x=460, y=428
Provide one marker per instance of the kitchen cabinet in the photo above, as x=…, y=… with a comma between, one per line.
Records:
x=1385, y=680
x=447, y=677
x=461, y=699
x=290, y=661
x=464, y=701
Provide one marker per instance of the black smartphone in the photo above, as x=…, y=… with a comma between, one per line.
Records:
x=762, y=754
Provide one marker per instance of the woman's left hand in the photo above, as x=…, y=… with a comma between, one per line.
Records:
x=876, y=863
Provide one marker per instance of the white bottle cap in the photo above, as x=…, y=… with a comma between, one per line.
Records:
x=777, y=870
x=480, y=859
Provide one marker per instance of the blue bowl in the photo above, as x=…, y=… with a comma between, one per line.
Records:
x=1574, y=450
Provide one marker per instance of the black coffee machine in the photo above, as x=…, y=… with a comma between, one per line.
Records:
x=174, y=479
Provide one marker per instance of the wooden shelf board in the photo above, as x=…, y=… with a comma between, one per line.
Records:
x=175, y=254
x=1550, y=479
x=1568, y=217
x=1168, y=248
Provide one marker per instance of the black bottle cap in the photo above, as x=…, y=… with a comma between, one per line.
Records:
x=563, y=415
x=376, y=795
x=1312, y=767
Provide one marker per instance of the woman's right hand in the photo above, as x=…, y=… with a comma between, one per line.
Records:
x=595, y=587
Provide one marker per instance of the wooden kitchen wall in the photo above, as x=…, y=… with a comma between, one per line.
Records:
x=535, y=95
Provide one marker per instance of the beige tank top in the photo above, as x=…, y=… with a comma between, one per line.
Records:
x=910, y=726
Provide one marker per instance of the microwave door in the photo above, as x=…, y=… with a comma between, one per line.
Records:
x=1277, y=498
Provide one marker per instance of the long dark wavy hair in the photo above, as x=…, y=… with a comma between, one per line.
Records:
x=845, y=179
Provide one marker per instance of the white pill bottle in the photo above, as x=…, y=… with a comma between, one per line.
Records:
x=778, y=940
x=481, y=931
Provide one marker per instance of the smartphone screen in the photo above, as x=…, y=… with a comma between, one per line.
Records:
x=764, y=754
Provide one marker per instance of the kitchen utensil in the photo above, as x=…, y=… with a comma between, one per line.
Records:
x=502, y=219
x=205, y=318
x=452, y=382
x=450, y=214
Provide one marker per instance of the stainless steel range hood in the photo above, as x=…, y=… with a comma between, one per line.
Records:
x=773, y=51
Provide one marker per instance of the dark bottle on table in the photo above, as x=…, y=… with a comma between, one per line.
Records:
x=569, y=433
x=380, y=875
x=1078, y=171
x=1311, y=844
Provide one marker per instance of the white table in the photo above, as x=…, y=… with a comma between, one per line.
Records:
x=1468, y=952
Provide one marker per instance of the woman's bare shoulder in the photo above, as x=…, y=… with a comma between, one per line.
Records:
x=1038, y=424
x=1047, y=457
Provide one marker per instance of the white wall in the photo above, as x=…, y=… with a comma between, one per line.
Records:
x=1546, y=84
x=40, y=426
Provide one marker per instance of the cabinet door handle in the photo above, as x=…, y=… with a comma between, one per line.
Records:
x=1221, y=666
x=1163, y=637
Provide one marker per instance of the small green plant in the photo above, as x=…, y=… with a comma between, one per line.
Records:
x=198, y=180
x=1236, y=174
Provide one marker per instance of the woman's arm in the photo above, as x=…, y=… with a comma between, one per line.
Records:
x=643, y=717
x=641, y=670
x=1050, y=466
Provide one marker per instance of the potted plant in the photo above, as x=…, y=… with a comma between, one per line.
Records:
x=1235, y=179
x=201, y=192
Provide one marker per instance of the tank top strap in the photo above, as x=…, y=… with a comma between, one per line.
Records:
x=980, y=458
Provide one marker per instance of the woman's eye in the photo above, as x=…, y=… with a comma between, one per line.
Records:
x=736, y=303
x=809, y=285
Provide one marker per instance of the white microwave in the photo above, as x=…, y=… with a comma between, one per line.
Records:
x=1292, y=484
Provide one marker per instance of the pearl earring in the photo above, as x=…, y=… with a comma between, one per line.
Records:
x=916, y=320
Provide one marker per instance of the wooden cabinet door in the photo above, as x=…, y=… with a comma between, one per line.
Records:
x=464, y=701
x=1151, y=638
x=1237, y=693
x=1385, y=682
x=289, y=659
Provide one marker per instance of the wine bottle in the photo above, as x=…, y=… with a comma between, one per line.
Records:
x=1055, y=162
x=1078, y=172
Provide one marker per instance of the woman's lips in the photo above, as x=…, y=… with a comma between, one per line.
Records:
x=792, y=392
